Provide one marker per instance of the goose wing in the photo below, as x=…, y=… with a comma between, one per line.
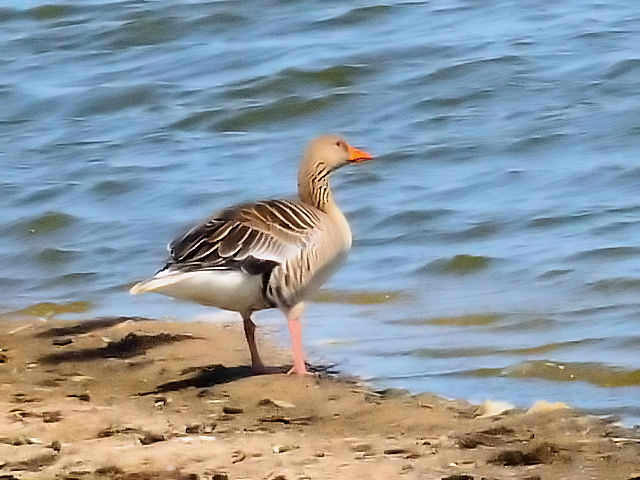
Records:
x=252, y=237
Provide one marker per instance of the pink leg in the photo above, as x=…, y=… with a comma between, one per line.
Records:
x=249, y=329
x=295, y=329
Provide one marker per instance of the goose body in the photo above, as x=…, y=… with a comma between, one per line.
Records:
x=272, y=253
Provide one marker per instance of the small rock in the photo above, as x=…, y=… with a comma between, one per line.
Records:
x=191, y=429
x=395, y=451
x=200, y=428
x=231, y=410
x=61, y=342
x=491, y=408
x=56, y=446
x=147, y=438
x=220, y=476
x=276, y=403
x=84, y=397
x=282, y=448
x=406, y=468
x=542, y=406
x=51, y=417
x=362, y=447
x=458, y=477
x=276, y=419
x=238, y=456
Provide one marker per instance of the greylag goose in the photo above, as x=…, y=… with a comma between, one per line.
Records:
x=272, y=253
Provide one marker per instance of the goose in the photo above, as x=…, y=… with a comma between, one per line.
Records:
x=267, y=254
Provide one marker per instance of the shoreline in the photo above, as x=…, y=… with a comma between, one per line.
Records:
x=132, y=398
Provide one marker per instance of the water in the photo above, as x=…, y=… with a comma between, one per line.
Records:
x=496, y=235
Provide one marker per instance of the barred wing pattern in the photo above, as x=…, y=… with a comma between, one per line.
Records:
x=254, y=238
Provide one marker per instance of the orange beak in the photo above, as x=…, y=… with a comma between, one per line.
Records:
x=356, y=155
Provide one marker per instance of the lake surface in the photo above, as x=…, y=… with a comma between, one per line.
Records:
x=497, y=234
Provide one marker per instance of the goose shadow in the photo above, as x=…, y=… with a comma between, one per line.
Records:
x=89, y=326
x=218, y=374
x=208, y=376
x=131, y=345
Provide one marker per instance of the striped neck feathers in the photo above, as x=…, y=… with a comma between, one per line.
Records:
x=313, y=186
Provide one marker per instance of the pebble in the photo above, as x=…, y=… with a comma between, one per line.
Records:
x=492, y=408
x=542, y=406
x=147, y=438
x=406, y=468
x=362, y=447
x=282, y=448
x=230, y=410
x=276, y=403
x=160, y=402
x=395, y=451
x=82, y=396
x=276, y=419
x=200, y=428
x=51, y=417
x=238, y=456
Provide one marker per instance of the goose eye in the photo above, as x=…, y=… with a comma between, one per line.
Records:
x=341, y=144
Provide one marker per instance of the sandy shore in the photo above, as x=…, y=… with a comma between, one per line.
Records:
x=129, y=398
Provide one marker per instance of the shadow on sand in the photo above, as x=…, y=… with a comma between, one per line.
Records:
x=208, y=376
x=89, y=326
x=211, y=375
x=131, y=345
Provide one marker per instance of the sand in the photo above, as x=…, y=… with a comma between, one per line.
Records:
x=132, y=398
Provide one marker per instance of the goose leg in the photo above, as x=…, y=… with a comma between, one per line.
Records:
x=249, y=328
x=295, y=329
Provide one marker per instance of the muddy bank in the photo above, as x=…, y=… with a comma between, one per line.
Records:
x=133, y=398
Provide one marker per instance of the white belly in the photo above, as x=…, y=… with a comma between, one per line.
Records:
x=227, y=289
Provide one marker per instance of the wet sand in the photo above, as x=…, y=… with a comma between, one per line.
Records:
x=131, y=398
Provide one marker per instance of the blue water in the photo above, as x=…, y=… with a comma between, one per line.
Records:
x=497, y=238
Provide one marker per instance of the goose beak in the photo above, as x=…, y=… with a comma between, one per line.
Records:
x=357, y=155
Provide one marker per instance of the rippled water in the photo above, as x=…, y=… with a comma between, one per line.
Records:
x=496, y=235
